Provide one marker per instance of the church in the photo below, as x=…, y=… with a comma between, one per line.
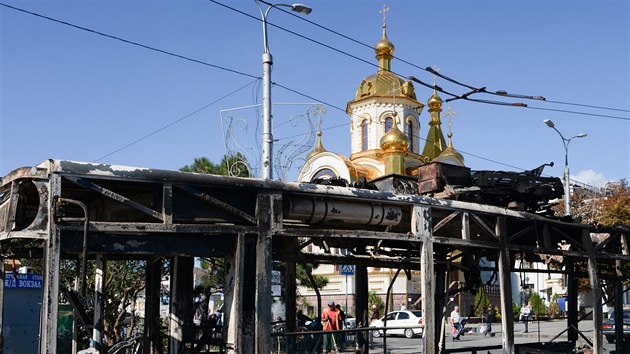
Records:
x=385, y=139
x=385, y=130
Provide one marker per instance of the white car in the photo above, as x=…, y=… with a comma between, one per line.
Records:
x=411, y=319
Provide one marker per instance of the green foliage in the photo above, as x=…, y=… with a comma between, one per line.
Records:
x=481, y=303
x=214, y=278
x=516, y=309
x=230, y=165
x=375, y=299
x=538, y=305
x=302, y=277
x=554, y=308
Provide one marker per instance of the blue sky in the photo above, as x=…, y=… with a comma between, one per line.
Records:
x=70, y=94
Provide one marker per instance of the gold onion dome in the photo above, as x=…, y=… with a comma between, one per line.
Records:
x=384, y=83
x=384, y=46
x=318, y=148
x=435, y=101
x=394, y=140
x=450, y=155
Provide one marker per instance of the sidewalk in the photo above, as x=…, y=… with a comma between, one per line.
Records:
x=545, y=330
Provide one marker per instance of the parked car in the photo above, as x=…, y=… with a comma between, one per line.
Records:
x=411, y=319
x=608, y=326
x=351, y=322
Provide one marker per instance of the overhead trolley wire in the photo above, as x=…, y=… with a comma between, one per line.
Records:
x=434, y=72
x=431, y=70
x=437, y=88
x=175, y=121
x=258, y=78
x=132, y=42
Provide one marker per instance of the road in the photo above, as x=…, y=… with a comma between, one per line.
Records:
x=538, y=332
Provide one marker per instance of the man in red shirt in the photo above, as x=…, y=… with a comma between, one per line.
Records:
x=330, y=321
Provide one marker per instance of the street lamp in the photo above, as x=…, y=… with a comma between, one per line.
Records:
x=267, y=61
x=565, y=142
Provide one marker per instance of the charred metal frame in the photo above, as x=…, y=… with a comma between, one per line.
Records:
x=137, y=213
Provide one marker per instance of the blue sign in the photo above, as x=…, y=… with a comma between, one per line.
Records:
x=23, y=281
x=346, y=269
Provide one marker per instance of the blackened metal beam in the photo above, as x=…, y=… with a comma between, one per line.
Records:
x=216, y=202
x=505, y=283
x=115, y=196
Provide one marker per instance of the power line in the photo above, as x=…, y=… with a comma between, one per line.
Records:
x=257, y=78
x=437, y=88
x=464, y=96
x=132, y=42
x=175, y=121
x=434, y=72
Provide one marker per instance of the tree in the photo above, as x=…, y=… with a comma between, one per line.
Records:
x=589, y=208
x=231, y=165
x=375, y=299
x=614, y=208
x=481, y=302
x=538, y=305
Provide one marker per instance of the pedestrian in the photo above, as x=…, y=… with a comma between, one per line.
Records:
x=526, y=313
x=341, y=324
x=488, y=319
x=455, y=322
x=302, y=319
x=403, y=307
x=376, y=315
x=330, y=321
x=212, y=325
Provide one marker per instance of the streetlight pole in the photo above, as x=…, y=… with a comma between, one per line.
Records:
x=267, y=62
x=565, y=142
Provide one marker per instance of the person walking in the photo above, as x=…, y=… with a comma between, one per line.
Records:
x=455, y=322
x=376, y=315
x=526, y=314
x=488, y=318
x=330, y=321
x=341, y=324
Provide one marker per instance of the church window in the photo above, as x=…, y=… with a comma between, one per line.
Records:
x=364, y=135
x=389, y=122
x=410, y=134
x=324, y=173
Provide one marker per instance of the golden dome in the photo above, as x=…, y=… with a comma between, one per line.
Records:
x=450, y=155
x=318, y=148
x=394, y=140
x=384, y=46
x=435, y=101
x=385, y=84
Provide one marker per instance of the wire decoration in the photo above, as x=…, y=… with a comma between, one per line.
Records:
x=241, y=134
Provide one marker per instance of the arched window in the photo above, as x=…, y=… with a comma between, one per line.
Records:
x=364, y=135
x=324, y=173
x=410, y=134
x=389, y=122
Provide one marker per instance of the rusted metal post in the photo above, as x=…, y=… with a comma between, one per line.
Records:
x=572, y=300
x=597, y=292
x=619, y=316
x=505, y=284
x=291, y=288
x=422, y=228
x=153, y=344
x=181, y=312
x=52, y=254
x=361, y=306
x=233, y=308
x=388, y=299
x=440, y=297
x=99, y=302
x=269, y=216
x=619, y=337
